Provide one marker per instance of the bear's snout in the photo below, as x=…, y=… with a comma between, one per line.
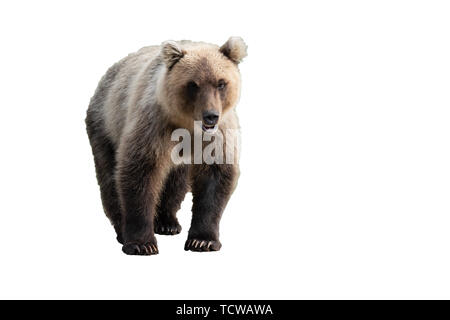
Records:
x=210, y=118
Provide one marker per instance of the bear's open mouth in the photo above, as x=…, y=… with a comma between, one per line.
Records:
x=211, y=129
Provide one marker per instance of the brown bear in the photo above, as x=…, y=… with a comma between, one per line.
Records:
x=138, y=104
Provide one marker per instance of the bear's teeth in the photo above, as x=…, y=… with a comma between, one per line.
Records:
x=210, y=130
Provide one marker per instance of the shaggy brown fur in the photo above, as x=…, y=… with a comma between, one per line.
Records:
x=136, y=107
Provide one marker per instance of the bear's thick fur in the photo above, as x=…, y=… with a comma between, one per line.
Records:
x=138, y=104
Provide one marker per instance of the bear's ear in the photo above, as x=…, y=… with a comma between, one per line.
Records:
x=235, y=49
x=171, y=53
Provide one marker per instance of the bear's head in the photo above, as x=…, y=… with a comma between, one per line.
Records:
x=201, y=82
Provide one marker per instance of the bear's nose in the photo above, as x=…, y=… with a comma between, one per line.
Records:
x=210, y=117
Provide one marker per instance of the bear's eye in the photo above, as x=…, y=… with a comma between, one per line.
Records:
x=192, y=86
x=221, y=84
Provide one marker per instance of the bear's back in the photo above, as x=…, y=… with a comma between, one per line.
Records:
x=119, y=81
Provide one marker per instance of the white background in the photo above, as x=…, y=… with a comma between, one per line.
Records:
x=345, y=183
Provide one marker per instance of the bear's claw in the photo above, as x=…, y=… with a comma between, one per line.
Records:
x=140, y=249
x=168, y=229
x=202, y=245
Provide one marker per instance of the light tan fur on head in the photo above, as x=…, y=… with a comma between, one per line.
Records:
x=200, y=77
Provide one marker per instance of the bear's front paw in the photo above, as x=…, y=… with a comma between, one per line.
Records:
x=140, y=249
x=167, y=228
x=202, y=245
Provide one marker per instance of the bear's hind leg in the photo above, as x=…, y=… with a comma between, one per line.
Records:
x=173, y=193
x=105, y=162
